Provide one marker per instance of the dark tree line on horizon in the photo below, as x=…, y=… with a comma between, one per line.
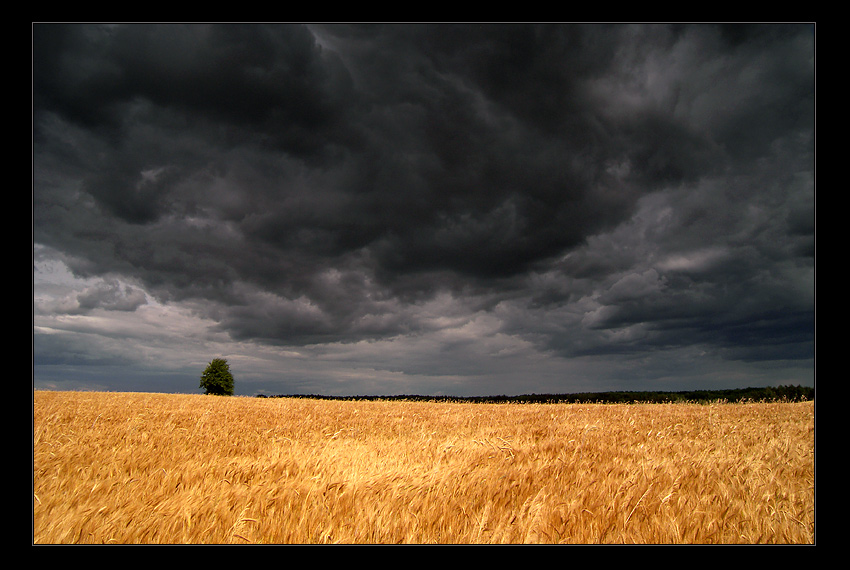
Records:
x=764, y=394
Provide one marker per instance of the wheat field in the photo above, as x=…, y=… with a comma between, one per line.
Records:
x=133, y=468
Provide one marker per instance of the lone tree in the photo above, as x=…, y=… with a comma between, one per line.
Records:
x=217, y=378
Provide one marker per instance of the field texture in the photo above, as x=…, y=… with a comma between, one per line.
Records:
x=155, y=468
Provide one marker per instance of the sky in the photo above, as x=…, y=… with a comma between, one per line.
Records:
x=429, y=209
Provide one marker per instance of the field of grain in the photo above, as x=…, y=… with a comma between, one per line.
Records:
x=131, y=468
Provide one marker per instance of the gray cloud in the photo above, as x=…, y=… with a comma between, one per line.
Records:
x=595, y=189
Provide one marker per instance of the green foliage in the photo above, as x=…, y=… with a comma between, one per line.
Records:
x=217, y=378
x=769, y=394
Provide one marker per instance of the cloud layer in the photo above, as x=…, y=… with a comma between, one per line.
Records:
x=424, y=202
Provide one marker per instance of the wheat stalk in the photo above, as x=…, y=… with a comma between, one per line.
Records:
x=158, y=468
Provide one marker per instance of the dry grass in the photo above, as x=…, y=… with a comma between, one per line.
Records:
x=155, y=468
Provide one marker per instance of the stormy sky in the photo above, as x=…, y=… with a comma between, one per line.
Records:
x=442, y=209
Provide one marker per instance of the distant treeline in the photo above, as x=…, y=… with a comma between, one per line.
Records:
x=768, y=394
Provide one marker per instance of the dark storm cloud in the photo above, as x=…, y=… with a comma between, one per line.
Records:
x=601, y=188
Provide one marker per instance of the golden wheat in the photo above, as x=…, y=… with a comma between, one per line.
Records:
x=155, y=468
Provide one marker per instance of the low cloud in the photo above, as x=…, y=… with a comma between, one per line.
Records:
x=460, y=193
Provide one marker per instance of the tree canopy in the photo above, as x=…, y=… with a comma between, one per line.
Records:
x=217, y=378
